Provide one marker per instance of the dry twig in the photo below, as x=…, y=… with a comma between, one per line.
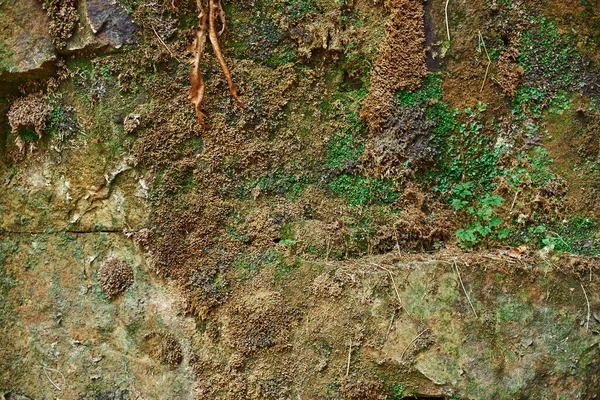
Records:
x=411, y=343
x=487, y=69
x=44, y=368
x=349, y=357
x=393, y=283
x=390, y=327
x=163, y=43
x=587, y=324
x=446, y=13
x=464, y=290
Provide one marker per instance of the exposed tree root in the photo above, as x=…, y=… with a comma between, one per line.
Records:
x=198, y=87
x=216, y=11
x=215, y=14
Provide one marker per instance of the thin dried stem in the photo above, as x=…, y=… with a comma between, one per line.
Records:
x=163, y=43
x=464, y=290
x=393, y=283
x=390, y=327
x=587, y=324
x=349, y=358
x=446, y=14
x=487, y=69
x=44, y=368
x=411, y=343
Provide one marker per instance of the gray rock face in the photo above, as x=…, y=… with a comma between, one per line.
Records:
x=110, y=21
x=106, y=26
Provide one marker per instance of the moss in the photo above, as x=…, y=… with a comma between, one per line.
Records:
x=430, y=92
x=115, y=277
x=344, y=150
x=287, y=233
x=360, y=190
x=9, y=359
x=6, y=60
x=80, y=65
x=285, y=265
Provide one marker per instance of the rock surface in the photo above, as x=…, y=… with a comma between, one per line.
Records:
x=26, y=49
x=106, y=26
x=143, y=256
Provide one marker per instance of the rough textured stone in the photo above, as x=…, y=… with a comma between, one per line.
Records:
x=107, y=26
x=26, y=49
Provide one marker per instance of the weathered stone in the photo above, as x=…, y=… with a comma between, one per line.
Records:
x=26, y=49
x=106, y=26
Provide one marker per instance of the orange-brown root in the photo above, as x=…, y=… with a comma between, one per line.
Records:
x=222, y=19
x=198, y=88
x=214, y=13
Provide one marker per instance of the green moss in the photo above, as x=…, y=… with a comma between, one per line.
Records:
x=6, y=59
x=236, y=235
x=466, y=153
x=397, y=391
x=80, y=65
x=288, y=233
x=285, y=266
x=344, y=150
x=551, y=54
x=513, y=311
x=297, y=10
x=279, y=182
x=577, y=235
x=283, y=55
x=431, y=89
x=28, y=134
x=360, y=190
x=252, y=261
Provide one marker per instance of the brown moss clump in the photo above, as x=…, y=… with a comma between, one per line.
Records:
x=510, y=74
x=400, y=63
x=169, y=352
x=588, y=145
x=28, y=112
x=258, y=324
x=325, y=285
x=63, y=17
x=406, y=136
x=359, y=388
x=115, y=277
x=236, y=361
x=131, y=123
x=165, y=348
